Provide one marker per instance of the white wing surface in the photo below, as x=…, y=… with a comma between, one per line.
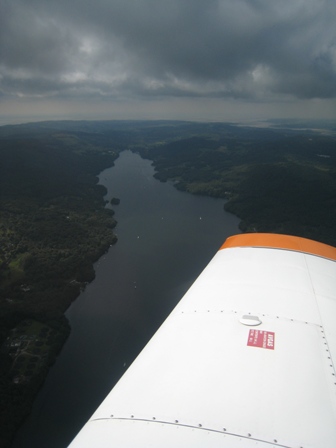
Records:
x=246, y=359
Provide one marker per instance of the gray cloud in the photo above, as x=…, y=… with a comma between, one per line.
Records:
x=256, y=49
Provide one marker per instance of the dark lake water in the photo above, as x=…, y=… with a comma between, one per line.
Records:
x=165, y=239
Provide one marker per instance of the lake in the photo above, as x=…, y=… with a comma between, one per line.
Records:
x=165, y=239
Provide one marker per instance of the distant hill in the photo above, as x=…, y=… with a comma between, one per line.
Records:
x=276, y=180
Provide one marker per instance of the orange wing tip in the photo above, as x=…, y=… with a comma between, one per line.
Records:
x=277, y=241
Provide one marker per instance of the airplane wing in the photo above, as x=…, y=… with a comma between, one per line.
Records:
x=246, y=359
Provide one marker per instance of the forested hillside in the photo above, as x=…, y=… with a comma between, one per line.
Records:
x=53, y=226
x=275, y=180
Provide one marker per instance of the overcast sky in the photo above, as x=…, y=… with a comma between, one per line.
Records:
x=222, y=60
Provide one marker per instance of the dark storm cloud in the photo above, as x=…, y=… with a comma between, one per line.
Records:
x=236, y=48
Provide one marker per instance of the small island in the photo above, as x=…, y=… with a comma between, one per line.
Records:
x=115, y=201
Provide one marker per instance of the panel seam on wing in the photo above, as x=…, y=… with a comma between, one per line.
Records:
x=177, y=423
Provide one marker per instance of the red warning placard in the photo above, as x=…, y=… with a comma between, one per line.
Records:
x=262, y=339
